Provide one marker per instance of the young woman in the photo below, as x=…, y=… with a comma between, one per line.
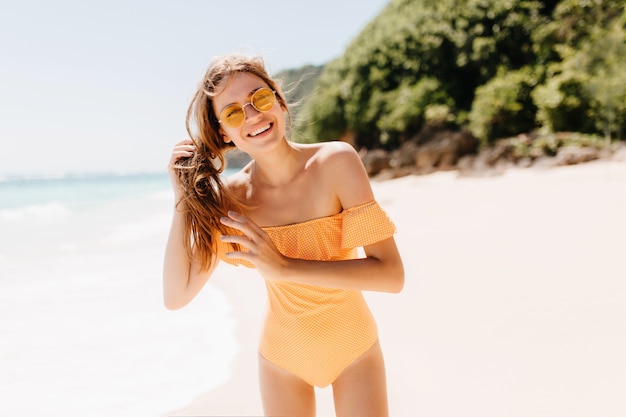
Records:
x=297, y=213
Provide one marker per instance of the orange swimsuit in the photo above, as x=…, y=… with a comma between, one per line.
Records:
x=316, y=332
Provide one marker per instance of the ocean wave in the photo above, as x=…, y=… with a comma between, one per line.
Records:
x=107, y=326
x=39, y=212
x=138, y=230
x=52, y=176
x=77, y=192
x=165, y=195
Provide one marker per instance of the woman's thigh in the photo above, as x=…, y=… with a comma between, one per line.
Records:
x=361, y=389
x=284, y=393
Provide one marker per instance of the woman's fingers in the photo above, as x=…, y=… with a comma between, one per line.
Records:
x=258, y=248
x=183, y=149
x=253, y=238
x=237, y=239
x=243, y=240
x=243, y=224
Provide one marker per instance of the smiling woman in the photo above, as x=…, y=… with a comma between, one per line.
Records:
x=298, y=214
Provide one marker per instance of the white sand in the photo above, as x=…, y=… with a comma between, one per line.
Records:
x=514, y=304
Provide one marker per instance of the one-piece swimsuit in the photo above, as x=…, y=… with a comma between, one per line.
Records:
x=312, y=331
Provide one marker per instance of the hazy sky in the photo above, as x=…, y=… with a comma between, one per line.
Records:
x=104, y=85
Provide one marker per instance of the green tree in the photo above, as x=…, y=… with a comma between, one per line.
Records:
x=584, y=46
x=603, y=58
x=458, y=44
x=563, y=103
x=504, y=106
x=501, y=66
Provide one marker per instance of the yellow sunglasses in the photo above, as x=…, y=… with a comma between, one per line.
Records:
x=234, y=115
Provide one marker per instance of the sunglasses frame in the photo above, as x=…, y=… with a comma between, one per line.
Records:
x=243, y=107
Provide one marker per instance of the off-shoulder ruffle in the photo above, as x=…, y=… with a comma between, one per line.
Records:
x=326, y=238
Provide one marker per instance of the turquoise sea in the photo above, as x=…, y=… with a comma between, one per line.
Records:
x=76, y=191
x=84, y=330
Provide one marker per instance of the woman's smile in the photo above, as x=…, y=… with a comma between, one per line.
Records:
x=260, y=130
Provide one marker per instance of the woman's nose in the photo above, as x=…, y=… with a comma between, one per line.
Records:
x=251, y=113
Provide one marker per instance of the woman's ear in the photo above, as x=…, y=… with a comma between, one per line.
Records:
x=225, y=137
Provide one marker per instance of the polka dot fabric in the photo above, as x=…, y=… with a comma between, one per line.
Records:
x=316, y=332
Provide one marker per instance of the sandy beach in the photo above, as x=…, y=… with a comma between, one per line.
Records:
x=514, y=303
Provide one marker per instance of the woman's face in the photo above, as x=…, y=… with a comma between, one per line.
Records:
x=259, y=131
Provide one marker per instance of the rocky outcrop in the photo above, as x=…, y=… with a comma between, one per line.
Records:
x=431, y=150
x=446, y=150
x=438, y=149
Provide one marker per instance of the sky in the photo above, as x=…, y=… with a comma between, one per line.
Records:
x=103, y=86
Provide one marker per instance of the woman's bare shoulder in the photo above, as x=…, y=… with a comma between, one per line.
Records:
x=332, y=153
x=342, y=171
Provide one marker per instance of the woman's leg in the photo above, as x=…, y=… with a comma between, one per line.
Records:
x=284, y=393
x=361, y=389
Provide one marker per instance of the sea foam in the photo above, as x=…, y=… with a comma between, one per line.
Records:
x=41, y=213
x=82, y=319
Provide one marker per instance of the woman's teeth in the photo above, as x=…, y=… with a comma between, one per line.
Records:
x=260, y=130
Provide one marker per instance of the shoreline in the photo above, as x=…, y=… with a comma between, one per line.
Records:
x=513, y=302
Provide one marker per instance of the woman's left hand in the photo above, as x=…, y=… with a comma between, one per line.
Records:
x=262, y=253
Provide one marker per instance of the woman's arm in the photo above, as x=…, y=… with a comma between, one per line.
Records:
x=380, y=270
x=182, y=278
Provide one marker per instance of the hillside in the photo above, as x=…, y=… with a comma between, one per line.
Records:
x=485, y=69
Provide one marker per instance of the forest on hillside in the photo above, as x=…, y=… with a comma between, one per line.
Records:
x=493, y=68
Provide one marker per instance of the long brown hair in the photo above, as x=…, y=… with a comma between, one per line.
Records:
x=205, y=197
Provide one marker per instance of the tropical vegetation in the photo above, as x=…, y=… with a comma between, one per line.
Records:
x=497, y=68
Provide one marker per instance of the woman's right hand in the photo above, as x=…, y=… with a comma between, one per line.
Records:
x=183, y=149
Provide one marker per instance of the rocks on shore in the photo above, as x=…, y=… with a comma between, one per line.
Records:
x=438, y=149
x=453, y=150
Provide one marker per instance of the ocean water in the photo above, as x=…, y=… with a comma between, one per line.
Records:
x=83, y=330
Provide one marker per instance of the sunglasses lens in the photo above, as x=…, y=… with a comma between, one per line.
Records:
x=263, y=100
x=232, y=116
